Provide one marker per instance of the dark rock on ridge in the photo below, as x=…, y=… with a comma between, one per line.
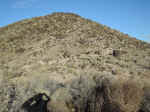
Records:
x=38, y=103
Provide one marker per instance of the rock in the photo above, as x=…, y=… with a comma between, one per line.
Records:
x=38, y=103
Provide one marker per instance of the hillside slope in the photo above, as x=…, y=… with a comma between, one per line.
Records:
x=42, y=54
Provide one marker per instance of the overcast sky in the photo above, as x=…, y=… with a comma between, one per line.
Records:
x=129, y=16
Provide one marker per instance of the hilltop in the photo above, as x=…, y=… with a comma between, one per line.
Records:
x=47, y=53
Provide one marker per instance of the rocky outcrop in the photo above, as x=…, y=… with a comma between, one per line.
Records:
x=82, y=66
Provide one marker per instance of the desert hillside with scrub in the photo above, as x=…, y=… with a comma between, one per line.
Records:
x=83, y=66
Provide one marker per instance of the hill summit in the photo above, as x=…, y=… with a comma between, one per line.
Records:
x=81, y=65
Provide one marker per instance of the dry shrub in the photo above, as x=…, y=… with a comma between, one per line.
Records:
x=123, y=94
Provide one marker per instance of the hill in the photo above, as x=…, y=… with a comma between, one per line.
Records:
x=64, y=54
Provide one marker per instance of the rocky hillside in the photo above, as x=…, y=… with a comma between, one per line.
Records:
x=81, y=65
